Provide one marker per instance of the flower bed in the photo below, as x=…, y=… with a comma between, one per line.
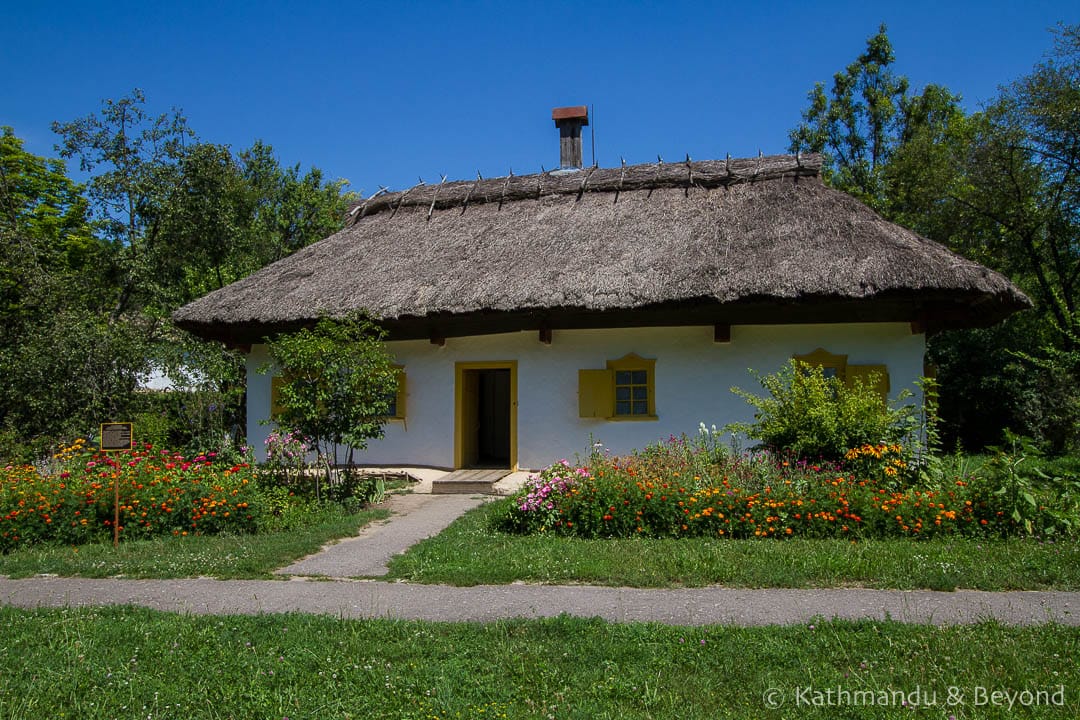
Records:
x=161, y=493
x=673, y=490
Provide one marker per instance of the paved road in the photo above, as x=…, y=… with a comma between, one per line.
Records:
x=702, y=606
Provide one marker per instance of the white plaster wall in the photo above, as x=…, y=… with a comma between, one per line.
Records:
x=693, y=380
x=258, y=400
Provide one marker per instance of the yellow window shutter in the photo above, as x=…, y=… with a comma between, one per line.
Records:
x=877, y=376
x=831, y=365
x=275, y=395
x=595, y=393
x=399, y=399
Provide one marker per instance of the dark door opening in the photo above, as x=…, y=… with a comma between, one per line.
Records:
x=486, y=418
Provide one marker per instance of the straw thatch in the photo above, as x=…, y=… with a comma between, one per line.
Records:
x=759, y=240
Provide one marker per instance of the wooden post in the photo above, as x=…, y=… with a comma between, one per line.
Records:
x=116, y=510
x=115, y=437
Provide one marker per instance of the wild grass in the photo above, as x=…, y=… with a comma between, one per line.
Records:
x=470, y=552
x=122, y=662
x=218, y=556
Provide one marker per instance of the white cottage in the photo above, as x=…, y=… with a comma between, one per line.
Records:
x=532, y=313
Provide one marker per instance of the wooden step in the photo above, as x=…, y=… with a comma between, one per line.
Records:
x=468, y=481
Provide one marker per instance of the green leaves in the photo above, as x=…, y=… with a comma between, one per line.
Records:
x=338, y=382
x=858, y=124
x=809, y=415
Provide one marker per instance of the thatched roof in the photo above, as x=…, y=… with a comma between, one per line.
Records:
x=758, y=240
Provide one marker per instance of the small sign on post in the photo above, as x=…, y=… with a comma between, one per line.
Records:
x=116, y=437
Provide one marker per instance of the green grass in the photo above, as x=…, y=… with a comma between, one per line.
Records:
x=128, y=663
x=219, y=556
x=468, y=553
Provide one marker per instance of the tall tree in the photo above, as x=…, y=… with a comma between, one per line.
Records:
x=134, y=160
x=89, y=274
x=870, y=115
x=61, y=366
x=999, y=186
x=291, y=210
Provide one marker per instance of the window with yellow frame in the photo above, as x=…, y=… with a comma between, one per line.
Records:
x=837, y=366
x=625, y=390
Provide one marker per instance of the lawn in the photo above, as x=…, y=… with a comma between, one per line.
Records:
x=469, y=552
x=219, y=556
x=123, y=662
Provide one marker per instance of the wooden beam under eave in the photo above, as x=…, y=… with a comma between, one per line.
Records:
x=437, y=339
x=721, y=333
x=545, y=335
x=918, y=327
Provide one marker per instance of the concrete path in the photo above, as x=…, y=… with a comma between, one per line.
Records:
x=416, y=517
x=703, y=606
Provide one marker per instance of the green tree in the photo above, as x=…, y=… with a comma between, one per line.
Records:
x=63, y=368
x=290, y=210
x=338, y=383
x=999, y=186
x=865, y=116
x=134, y=160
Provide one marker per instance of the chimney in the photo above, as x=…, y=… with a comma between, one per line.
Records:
x=570, y=120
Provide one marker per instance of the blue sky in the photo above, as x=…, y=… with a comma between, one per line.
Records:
x=387, y=93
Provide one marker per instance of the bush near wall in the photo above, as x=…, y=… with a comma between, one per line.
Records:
x=161, y=493
x=680, y=489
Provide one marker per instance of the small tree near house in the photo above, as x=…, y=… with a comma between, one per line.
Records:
x=337, y=385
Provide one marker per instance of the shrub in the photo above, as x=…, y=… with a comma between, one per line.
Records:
x=808, y=415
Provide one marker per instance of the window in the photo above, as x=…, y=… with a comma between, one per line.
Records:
x=396, y=410
x=631, y=392
x=624, y=391
x=831, y=365
x=837, y=366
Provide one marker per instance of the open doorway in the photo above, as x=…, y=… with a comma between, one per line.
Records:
x=486, y=423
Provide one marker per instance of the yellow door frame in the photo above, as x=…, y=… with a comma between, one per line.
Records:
x=459, y=406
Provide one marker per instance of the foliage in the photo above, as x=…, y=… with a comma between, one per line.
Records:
x=337, y=383
x=655, y=494
x=998, y=186
x=986, y=388
x=162, y=219
x=809, y=415
x=49, y=263
x=868, y=112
